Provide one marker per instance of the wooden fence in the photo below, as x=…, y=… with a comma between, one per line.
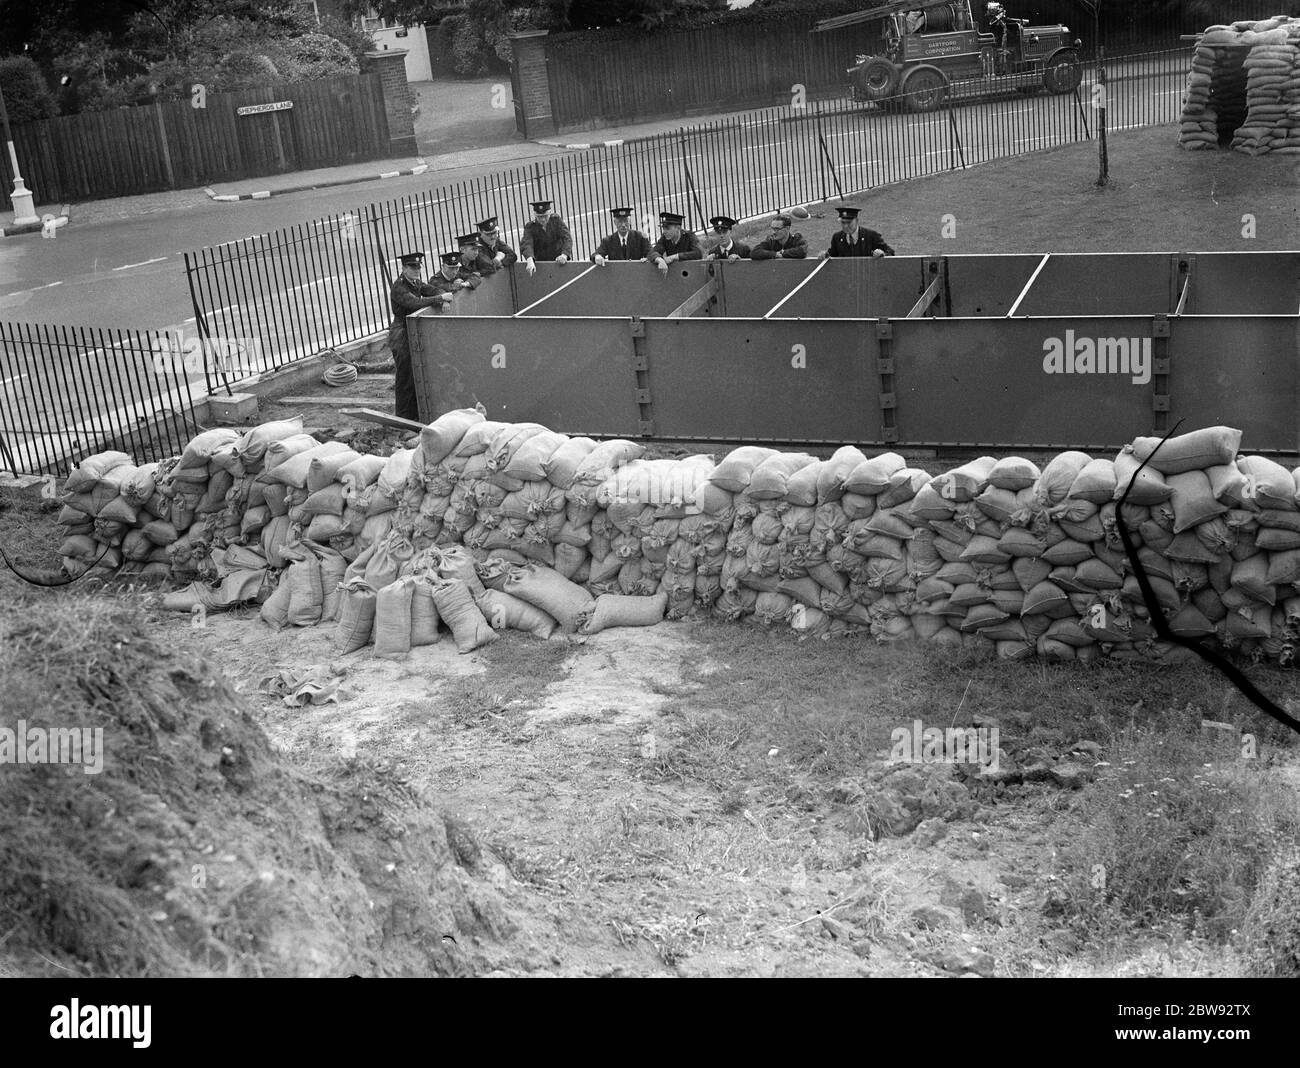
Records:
x=177, y=145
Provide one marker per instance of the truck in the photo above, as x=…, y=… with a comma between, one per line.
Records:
x=931, y=48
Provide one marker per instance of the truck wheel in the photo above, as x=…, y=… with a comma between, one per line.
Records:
x=924, y=89
x=878, y=80
x=1063, y=73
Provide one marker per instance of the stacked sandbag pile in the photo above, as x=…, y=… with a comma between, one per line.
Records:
x=1245, y=78
x=1272, y=122
x=486, y=525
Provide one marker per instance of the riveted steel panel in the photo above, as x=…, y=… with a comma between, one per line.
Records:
x=755, y=380
x=573, y=375
x=985, y=382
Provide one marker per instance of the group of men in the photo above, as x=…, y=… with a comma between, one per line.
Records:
x=547, y=238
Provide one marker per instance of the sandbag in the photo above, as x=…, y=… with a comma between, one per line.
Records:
x=1148, y=487
x=294, y=470
x=424, y=614
x=324, y=469
x=444, y=435
x=562, y=465
x=1053, y=485
x=456, y=608
x=615, y=610
x=328, y=500
x=1192, y=499
x=904, y=485
x=770, y=479
x=545, y=588
x=964, y=483
x=873, y=476
x=275, y=609
x=203, y=445
x=1194, y=451
x=356, y=617
x=834, y=472
x=306, y=593
x=529, y=460
x=1269, y=484
x=504, y=611
x=251, y=447
x=1013, y=473
x=1095, y=482
x=333, y=568
x=392, y=630
x=87, y=473
x=736, y=470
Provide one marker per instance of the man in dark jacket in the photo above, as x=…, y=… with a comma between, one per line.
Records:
x=493, y=254
x=468, y=245
x=407, y=296
x=545, y=238
x=781, y=243
x=855, y=240
x=674, y=243
x=624, y=243
x=726, y=248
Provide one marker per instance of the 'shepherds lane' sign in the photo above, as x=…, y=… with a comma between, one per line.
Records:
x=259, y=109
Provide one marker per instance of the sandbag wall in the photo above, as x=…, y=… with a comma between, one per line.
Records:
x=486, y=525
x=1245, y=78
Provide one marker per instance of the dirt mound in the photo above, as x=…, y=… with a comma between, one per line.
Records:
x=194, y=848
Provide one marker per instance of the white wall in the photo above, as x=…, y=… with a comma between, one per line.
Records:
x=416, y=43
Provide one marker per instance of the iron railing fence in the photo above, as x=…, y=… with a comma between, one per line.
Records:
x=67, y=392
x=302, y=289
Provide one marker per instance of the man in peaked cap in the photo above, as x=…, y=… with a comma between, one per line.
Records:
x=468, y=245
x=726, y=248
x=781, y=242
x=545, y=238
x=855, y=240
x=624, y=243
x=408, y=295
x=493, y=253
x=674, y=243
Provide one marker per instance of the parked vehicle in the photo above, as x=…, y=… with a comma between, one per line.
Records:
x=928, y=45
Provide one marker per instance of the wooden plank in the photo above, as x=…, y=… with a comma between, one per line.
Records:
x=330, y=399
x=370, y=415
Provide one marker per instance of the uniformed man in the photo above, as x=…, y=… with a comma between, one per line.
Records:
x=407, y=296
x=493, y=253
x=726, y=248
x=855, y=240
x=781, y=242
x=674, y=243
x=545, y=238
x=624, y=243
x=468, y=245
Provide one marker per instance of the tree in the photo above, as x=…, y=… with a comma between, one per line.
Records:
x=126, y=52
x=26, y=94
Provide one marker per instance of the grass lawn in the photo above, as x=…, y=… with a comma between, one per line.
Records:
x=1159, y=199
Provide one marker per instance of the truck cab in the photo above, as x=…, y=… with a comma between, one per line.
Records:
x=931, y=46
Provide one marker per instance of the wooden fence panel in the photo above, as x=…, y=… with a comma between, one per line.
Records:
x=123, y=152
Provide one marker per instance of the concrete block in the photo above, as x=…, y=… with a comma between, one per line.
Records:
x=232, y=410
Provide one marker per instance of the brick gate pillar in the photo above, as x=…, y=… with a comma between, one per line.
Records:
x=391, y=68
x=532, y=84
